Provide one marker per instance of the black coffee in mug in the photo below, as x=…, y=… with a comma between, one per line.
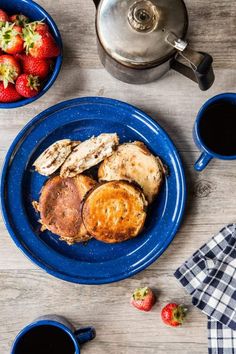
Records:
x=46, y=340
x=217, y=127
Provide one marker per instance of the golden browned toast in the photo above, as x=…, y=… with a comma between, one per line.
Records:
x=114, y=211
x=134, y=162
x=60, y=207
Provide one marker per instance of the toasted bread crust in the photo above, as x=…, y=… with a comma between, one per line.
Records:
x=134, y=162
x=60, y=207
x=114, y=211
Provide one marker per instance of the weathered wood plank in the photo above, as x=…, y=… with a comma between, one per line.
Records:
x=122, y=329
x=27, y=292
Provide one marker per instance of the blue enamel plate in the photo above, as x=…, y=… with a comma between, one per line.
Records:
x=94, y=262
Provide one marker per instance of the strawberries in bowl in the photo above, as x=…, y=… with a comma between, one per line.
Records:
x=30, y=55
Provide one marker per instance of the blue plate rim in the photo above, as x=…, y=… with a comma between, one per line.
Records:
x=35, y=260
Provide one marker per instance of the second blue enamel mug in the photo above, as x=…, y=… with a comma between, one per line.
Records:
x=51, y=334
x=207, y=153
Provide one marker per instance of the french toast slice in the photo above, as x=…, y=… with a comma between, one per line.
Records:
x=88, y=154
x=54, y=156
x=134, y=162
x=114, y=211
x=60, y=207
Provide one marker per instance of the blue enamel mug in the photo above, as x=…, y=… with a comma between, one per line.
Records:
x=207, y=153
x=51, y=334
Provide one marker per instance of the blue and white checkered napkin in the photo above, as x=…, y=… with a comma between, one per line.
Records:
x=209, y=276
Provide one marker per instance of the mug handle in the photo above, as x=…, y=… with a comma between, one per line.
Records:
x=199, y=64
x=202, y=162
x=96, y=3
x=85, y=334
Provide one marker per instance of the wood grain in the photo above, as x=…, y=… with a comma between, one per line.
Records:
x=27, y=292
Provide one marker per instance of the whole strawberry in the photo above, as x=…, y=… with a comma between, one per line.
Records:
x=39, y=42
x=19, y=19
x=11, y=40
x=143, y=299
x=9, y=69
x=38, y=26
x=8, y=94
x=35, y=66
x=173, y=314
x=27, y=85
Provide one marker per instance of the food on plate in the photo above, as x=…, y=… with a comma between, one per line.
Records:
x=173, y=314
x=27, y=85
x=88, y=154
x=9, y=94
x=114, y=211
x=134, y=162
x=60, y=207
x=9, y=69
x=77, y=208
x=26, y=48
x=54, y=156
x=143, y=299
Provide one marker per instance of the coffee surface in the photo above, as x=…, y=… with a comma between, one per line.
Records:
x=46, y=340
x=217, y=128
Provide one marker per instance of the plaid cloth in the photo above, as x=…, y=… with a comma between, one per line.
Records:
x=209, y=276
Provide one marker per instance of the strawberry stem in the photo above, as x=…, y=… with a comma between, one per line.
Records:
x=30, y=37
x=179, y=314
x=140, y=293
x=7, y=74
x=7, y=34
x=33, y=82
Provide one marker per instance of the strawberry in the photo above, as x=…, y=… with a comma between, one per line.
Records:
x=9, y=69
x=39, y=42
x=11, y=40
x=39, y=26
x=143, y=299
x=3, y=17
x=27, y=85
x=173, y=314
x=17, y=28
x=35, y=66
x=19, y=20
x=9, y=94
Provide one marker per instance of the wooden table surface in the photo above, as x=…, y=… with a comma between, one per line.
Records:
x=27, y=292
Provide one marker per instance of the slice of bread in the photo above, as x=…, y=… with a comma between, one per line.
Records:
x=60, y=207
x=54, y=156
x=134, y=162
x=88, y=154
x=114, y=211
